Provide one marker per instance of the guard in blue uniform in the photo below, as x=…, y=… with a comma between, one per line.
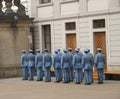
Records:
x=57, y=66
x=81, y=54
x=47, y=62
x=31, y=64
x=86, y=62
x=61, y=72
x=71, y=71
x=59, y=52
x=91, y=55
x=77, y=59
x=39, y=65
x=65, y=62
x=24, y=64
x=99, y=63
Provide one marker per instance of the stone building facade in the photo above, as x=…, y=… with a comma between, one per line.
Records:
x=81, y=24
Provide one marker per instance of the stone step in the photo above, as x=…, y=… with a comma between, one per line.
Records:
x=95, y=75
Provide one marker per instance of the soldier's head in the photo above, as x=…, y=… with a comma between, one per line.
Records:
x=37, y=50
x=58, y=49
x=76, y=50
x=23, y=51
x=86, y=50
x=65, y=50
x=99, y=50
x=46, y=50
x=69, y=49
x=30, y=51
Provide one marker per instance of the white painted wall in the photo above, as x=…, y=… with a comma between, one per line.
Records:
x=58, y=34
x=84, y=35
x=115, y=39
x=45, y=11
x=69, y=8
x=96, y=5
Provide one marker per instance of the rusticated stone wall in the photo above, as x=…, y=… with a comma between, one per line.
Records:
x=13, y=38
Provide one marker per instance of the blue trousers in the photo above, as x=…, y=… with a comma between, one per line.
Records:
x=66, y=74
x=100, y=74
x=58, y=74
x=87, y=73
x=61, y=74
x=25, y=72
x=47, y=74
x=78, y=75
x=71, y=73
x=91, y=77
x=39, y=73
x=31, y=73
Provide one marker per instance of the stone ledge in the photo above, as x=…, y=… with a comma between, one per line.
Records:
x=9, y=72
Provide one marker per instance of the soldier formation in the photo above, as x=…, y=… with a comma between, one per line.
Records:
x=68, y=67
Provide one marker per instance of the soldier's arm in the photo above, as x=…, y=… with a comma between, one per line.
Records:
x=83, y=62
x=61, y=61
x=36, y=60
x=73, y=62
x=96, y=61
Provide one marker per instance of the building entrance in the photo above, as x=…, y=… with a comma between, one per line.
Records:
x=71, y=41
x=100, y=42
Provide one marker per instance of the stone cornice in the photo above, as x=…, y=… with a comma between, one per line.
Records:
x=80, y=15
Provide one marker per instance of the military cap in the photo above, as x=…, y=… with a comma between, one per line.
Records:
x=65, y=50
x=45, y=49
x=23, y=51
x=99, y=49
x=56, y=50
x=70, y=49
x=76, y=49
x=37, y=50
x=86, y=50
x=30, y=50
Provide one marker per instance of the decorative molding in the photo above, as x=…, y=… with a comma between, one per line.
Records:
x=67, y=1
x=45, y=5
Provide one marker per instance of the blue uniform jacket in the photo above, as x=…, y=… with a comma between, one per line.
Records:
x=71, y=59
x=24, y=60
x=39, y=60
x=59, y=53
x=87, y=61
x=91, y=55
x=99, y=60
x=47, y=60
x=77, y=59
x=31, y=60
x=56, y=61
x=65, y=61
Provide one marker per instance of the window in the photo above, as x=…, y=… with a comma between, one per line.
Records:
x=99, y=23
x=44, y=1
x=46, y=32
x=70, y=26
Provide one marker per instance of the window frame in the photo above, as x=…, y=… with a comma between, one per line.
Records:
x=98, y=24
x=68, y=26
x=43, y=2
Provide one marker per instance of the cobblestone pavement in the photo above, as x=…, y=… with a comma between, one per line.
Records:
x=15, y=88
